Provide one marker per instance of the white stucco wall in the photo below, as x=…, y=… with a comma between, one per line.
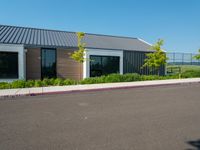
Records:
x=21, y=59
x=100, y=52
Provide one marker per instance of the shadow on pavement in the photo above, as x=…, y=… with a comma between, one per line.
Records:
x=194, y=144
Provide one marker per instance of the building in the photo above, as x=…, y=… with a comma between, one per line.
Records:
x=30, y=53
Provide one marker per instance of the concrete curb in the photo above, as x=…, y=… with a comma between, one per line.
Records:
x=92, y=87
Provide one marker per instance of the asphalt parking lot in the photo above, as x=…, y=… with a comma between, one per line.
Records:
x=151, y=118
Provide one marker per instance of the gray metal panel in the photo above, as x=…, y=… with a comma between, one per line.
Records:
x=28, y=37
x=62, y=40
x=18, y=35
x=44, y=37
x=48, y=39
x=24, y=36
x=134, y=60
x=35, y=37
x=3, y=32
x=38, y=38
x=57, y=39
x=31, y=36
x=8, y=37
x=12, y=36
x=52, y=39
x=19, y=38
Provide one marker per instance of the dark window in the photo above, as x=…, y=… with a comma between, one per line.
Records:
x=103, y=65
x=48, y=63
x=8, y=65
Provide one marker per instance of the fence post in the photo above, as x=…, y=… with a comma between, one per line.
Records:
x=191, y=59
x=174, y=58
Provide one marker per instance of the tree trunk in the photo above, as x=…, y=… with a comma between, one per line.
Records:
x=79, y=71
x=158, y=69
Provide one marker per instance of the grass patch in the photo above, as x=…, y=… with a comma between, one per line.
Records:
x=191, y=74
x=185, y=68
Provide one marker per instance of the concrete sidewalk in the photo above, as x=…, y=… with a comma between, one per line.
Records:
x=92, y=87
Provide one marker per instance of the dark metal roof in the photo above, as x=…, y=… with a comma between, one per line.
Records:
x=54, y=38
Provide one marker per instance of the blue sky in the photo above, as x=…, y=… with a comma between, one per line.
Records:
x=175, y=21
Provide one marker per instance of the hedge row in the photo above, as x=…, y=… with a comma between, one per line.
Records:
x=103, y=79
x=37, y=83
x=124, y=78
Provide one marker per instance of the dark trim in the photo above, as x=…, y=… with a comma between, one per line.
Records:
x=137, y=51
x=41, y=64
x=103, y=56
x=48, y=47
x=76, y=48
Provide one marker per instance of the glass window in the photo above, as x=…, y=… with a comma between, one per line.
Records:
x=95, y=66
x=48, y=63
x=103, y=65
x=8, y=65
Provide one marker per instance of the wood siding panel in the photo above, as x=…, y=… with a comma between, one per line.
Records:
x=33, y=64
x=67, y=67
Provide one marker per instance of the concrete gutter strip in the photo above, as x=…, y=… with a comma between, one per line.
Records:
x=92, y=87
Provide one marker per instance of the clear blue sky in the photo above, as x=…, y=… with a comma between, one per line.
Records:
x=175, y=21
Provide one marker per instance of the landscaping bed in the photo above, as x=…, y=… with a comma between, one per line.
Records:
x=131, y=77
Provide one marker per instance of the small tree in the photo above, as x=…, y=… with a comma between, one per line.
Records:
x=197, y=57
x=79, y=55
x=156, y=59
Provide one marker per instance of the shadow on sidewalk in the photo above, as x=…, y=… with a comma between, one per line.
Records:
x=194, y=144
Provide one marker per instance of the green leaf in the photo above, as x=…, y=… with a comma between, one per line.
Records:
x=157, y=58
x=79, y=54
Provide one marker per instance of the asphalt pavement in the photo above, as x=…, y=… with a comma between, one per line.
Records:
x=147, y=118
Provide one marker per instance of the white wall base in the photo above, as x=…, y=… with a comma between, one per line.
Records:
x=100, y=52
x=21, y=59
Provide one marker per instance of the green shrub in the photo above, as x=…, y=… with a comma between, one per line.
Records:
x=112, y=78
x=175, y=76
x=91, y=80
x=30, y=83
x=191, y=74
x=5, y=85
x=149, y=77
x=47, y=82
x=38, y=83
x=58, y=82
x=18, y=84
x=130, y=77
x=69, y=82
x=51, y=81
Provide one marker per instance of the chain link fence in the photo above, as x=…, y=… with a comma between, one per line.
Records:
x=180, y=62
x=182, y=59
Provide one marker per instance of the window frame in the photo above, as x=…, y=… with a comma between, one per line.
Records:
x=53, y=49
x=16, y=76
x=101, y=65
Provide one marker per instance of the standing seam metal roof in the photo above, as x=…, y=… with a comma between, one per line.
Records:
x=53, y=38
